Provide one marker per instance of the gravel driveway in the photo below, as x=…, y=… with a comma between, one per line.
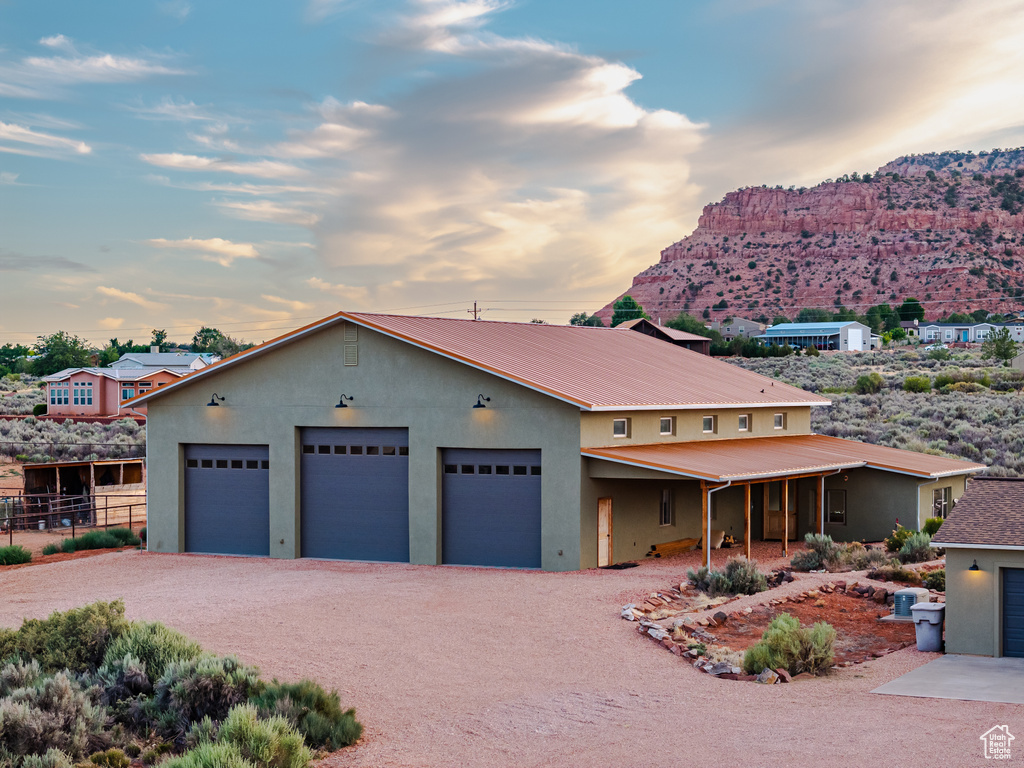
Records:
x=476, y=667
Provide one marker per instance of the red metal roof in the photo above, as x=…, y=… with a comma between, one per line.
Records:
x=594, y=368
x=752, y=458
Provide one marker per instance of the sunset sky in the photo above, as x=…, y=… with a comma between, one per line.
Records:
x=253, y=166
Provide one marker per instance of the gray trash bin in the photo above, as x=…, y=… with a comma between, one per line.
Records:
x=928, y=624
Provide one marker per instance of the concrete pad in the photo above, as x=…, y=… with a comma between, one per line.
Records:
x=969, y=678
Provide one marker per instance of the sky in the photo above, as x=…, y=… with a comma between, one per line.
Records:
x=254, y=166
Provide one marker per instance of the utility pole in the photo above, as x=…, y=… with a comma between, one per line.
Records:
x=474, y=311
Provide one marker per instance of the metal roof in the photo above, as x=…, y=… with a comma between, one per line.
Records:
x=119, y=374
x=672, y=333
x=594, y=368
x=990, y=514
x=797, y=329
x=161, y=359
x=755, y=458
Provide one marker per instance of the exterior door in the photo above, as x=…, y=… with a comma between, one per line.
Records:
x=773, y=521
x=604, y=532
x=355, y=494
x=1013, y=612
x=491, y=508
x=227, y=499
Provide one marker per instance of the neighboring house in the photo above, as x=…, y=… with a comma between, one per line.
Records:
x=1018, y=362
x=984, y=541
x=848, y=336
x=436, y=440
x=682, y=339
x=737, y=326
x=157, y=359
x=956, y=332
x=101, y=391
x=910, y=327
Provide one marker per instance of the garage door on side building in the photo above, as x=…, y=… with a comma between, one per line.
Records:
x=355, y=493
x=227, y=499
x=1013, y=612
x=491, y=508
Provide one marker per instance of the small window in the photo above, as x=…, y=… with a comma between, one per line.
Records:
x=835, y=507
x=373, y=450
x=710, y=424
x=323, y=449
x=222, y=463
x=356, y=450
x=501, y=469
x=265, y=464
x=940, y=501
x=534, y=470
x=339, y=449
x=620, y=427
x=518, y=470
x=207, y=463
x=451, y=469
x=308, y=449
x=389, y=450
x=744, y=422
x=403, y=450
x=468, y=469
x=252, y=464
x=668, y=425
x=484, y=469
x=780, y=421
x=665, y=515
x=191, y=463
x=236, y=463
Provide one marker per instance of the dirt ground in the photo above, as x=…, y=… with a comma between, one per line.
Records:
x=484, y=667
x=11, y=477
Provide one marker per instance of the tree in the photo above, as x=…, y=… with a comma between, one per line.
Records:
x=159, y=339
x=10, y=354
x=626, y=309
x=910, y=309
x=213, y=341
x=882, y=318
x=999, y=345
x=59, y=351
x=582, y=318
x=812, y=315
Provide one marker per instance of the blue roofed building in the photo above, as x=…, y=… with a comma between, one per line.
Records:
x=846, y=336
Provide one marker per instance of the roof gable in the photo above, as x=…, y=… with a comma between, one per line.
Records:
x=989, y=514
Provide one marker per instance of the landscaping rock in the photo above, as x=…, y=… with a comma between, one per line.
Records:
x=658, y=634
x=668, y=643
x=721, y=668
x=721, y=617
x=840, y=586
x=768, y=677
x=627, y=612
x=784, y=676
x=880, y=596
x=788, y=577
x=803, y=676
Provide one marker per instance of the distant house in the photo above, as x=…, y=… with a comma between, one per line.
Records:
x=848, y=336
x=910, y=327
x=156, y=359
x=737, y=326
x=948, y=333
x=682, y=339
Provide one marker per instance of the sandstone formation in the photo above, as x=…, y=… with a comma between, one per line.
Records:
x=945, y=228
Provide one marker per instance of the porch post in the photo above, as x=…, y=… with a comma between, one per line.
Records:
x=705, y=523
x=764, y=524
x=820, y=493
x=784, y=503
x=746, y=521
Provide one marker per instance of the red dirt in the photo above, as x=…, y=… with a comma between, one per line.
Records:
x=859, y=633
x=61, y=557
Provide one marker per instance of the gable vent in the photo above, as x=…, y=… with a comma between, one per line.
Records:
x=351, y=332
x=351, y=354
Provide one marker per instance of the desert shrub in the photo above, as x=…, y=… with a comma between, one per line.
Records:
x=202, y=732
x=936, y=580
x=154, y=755
x=820, y=549
x=14, y=555
x=787, y=645
x=52, y=713
x=209, y=755
x=75, y=639
x=931, y=526
x=317, y=714
x=52, y=758
x=868, y=384
x=917, y=384
x=744, y=577
x=19, y=674
x=124, y=536
x=716, y=583
x=859, y=558
x=894, y=571
x=207, y=685
x=899, y=536
x=271, y=741
x=917, y=548
x=111, y=758
x=154, y=645
x=91, y=540
x=51, y=549
x=120, y=679
x=39, y=409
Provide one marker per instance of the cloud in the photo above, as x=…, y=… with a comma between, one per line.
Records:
x=294, y=306
x=264, y=169
x=111, y=323
x=176, y=9
x=350, y=293
x=174, y=110
x=265, y=210
x=131, y=298
x=59, y=42
x=48, y=144
x=16, y=262
x=223, y=252
x=6, y=177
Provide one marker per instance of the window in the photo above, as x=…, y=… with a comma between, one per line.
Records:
x=744, y=422
x=780, y=421
x=356, y=450
x=323, y=449
x=468, y=469
x=620, y=427
x=710, y=424
x=127, y=393
x=835, y=507
x=518, y=469
x=484, y=469
x=668, y=425
x=501, y=469
x=236, y=463
x=665, y=515
x=451, y=469
x=308, y=449
x=940, y=501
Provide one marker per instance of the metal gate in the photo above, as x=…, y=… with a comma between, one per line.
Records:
x=227, y=499
x=1013, y=612
x=355, y=493
x=491, y=508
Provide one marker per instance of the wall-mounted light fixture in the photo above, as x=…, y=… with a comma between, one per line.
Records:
x=974, y=566
x=480, y=400
x=342, y=403
x=214, y=399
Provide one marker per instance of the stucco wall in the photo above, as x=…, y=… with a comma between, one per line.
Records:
x=974, y=599
x=394, y=384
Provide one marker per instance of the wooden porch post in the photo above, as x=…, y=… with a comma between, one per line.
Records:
x=819, y=498
x=746, y=521
x=705, y=528
x=784, y=503
x=764, y=524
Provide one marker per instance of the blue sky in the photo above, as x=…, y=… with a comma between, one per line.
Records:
x=254, y=166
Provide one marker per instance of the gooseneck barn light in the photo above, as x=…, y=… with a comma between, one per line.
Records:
x=480, y=399
x=214, y=399
x=342, y=403
x=974, y=566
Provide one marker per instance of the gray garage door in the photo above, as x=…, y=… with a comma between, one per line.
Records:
x=355, y=493
x=491, y=508
x=1013, y=612
x=227, y=499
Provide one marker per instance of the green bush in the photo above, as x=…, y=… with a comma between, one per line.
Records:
x=112, y=758
x=91, y=540
x=75, y=639
x=51, y=549
x=936, y=580
x=869, y=384
x=917, y=384
x=39, y=409
x=209, y=755
x=52, y=758
x=14, y=555
x=271, y=742
x=744, y=577
x=894, y=571
x=820, y=549
x=125, y=537
x=317, y=714
x=917, y=548
x=53, y=713
x=895, y=542
x=805, y=560
x=154, y=645
x=787, y=645
x=192, y=689
x=931, y=526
